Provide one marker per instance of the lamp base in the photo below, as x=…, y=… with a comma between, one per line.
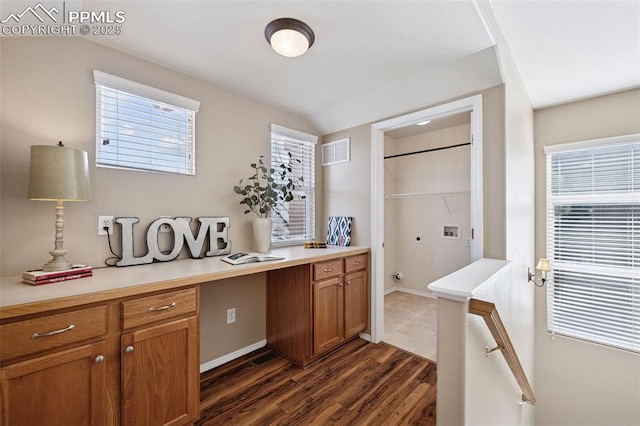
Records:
x=58, y=263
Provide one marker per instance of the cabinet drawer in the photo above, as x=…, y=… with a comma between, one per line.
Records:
x=328, y=269
x=355, y=263
x=150, y=309
x=40, y=334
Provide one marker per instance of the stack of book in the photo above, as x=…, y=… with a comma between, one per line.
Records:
x=315, y=244
x=42, y=277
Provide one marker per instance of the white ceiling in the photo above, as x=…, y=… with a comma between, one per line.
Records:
x=376, y=58
x=569, y=50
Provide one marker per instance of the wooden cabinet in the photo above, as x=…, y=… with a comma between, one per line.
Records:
x=37, y=335
x=62, y=371
x=328, y=314
x=161, y=361
x=67, y=367
x=355, y=298
x=312, y=309
x=123, y=347
x=62, y=388
x=160, y=374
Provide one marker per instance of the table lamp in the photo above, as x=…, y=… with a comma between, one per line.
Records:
x=58, y=174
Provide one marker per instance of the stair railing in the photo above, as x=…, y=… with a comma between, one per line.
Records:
x=489, y=313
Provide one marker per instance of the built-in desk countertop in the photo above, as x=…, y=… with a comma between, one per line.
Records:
x=18, y=298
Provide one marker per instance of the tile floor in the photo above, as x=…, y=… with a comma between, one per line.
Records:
x=410, y=323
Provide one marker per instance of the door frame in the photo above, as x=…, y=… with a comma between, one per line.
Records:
x=472, y=104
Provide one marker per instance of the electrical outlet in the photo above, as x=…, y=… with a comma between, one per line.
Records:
x=231, y=315
x=165, y=227
x=105, y=222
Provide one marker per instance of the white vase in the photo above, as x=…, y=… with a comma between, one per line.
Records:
x=262, y=234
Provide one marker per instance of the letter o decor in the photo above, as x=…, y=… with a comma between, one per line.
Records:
x=215, y=228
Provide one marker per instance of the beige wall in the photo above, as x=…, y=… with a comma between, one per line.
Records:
x=48, y=95
x=516, y=299
x=347, y=186
x=433, y=256
x=490, y=389
x=580, y=383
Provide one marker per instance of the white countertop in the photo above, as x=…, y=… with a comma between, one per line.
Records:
x=114, y=282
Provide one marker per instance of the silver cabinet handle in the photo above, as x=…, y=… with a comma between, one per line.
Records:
x=327, y=270
x=357, y=263
x=99, y=359
x=348, y=282
x=163, y=308
x=129, y=349
x=340, y=285
x=52, y=333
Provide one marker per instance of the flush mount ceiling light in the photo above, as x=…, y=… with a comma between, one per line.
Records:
x=289, y=37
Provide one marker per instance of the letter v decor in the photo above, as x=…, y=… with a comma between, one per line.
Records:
x=215, y=228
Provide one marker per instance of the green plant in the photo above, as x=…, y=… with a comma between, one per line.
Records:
x=268, y=187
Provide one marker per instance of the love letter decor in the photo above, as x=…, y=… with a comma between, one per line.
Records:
x=214, y=227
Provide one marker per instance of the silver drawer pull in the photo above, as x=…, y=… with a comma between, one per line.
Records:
x=52, y=333
x=129, y=349
x=99, y=359
x=163, y=308
x=357, y=263
x=328, y=270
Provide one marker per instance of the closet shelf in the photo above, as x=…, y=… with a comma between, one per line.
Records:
x=425, y=194
x=429, y=194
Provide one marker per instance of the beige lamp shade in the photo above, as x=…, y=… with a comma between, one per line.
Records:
x=543, y=265
x=59, y=174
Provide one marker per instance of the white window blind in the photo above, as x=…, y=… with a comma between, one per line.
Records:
x=294, y=221
x=593, y=241
x=143, y=128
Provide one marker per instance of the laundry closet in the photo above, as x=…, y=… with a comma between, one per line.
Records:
x=427, y=232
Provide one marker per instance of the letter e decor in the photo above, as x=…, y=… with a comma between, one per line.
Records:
x=215, y=228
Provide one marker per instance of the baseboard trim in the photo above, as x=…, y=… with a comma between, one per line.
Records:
x=233, y=355
x=390, y=290
x=365, y=336
x=410, y=291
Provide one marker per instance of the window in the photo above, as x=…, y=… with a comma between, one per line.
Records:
x=593, y=241
x=294, y=222
x=143, y=128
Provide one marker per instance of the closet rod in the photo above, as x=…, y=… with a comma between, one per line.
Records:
x=427, y=150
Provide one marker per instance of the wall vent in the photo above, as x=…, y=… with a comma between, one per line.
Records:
x=336, y=152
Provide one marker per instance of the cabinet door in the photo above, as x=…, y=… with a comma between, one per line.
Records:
x=328, y=314
x=64, y=388
x=355, y=303
x=160, y=374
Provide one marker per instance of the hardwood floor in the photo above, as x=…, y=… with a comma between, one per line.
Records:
x=360, y=384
